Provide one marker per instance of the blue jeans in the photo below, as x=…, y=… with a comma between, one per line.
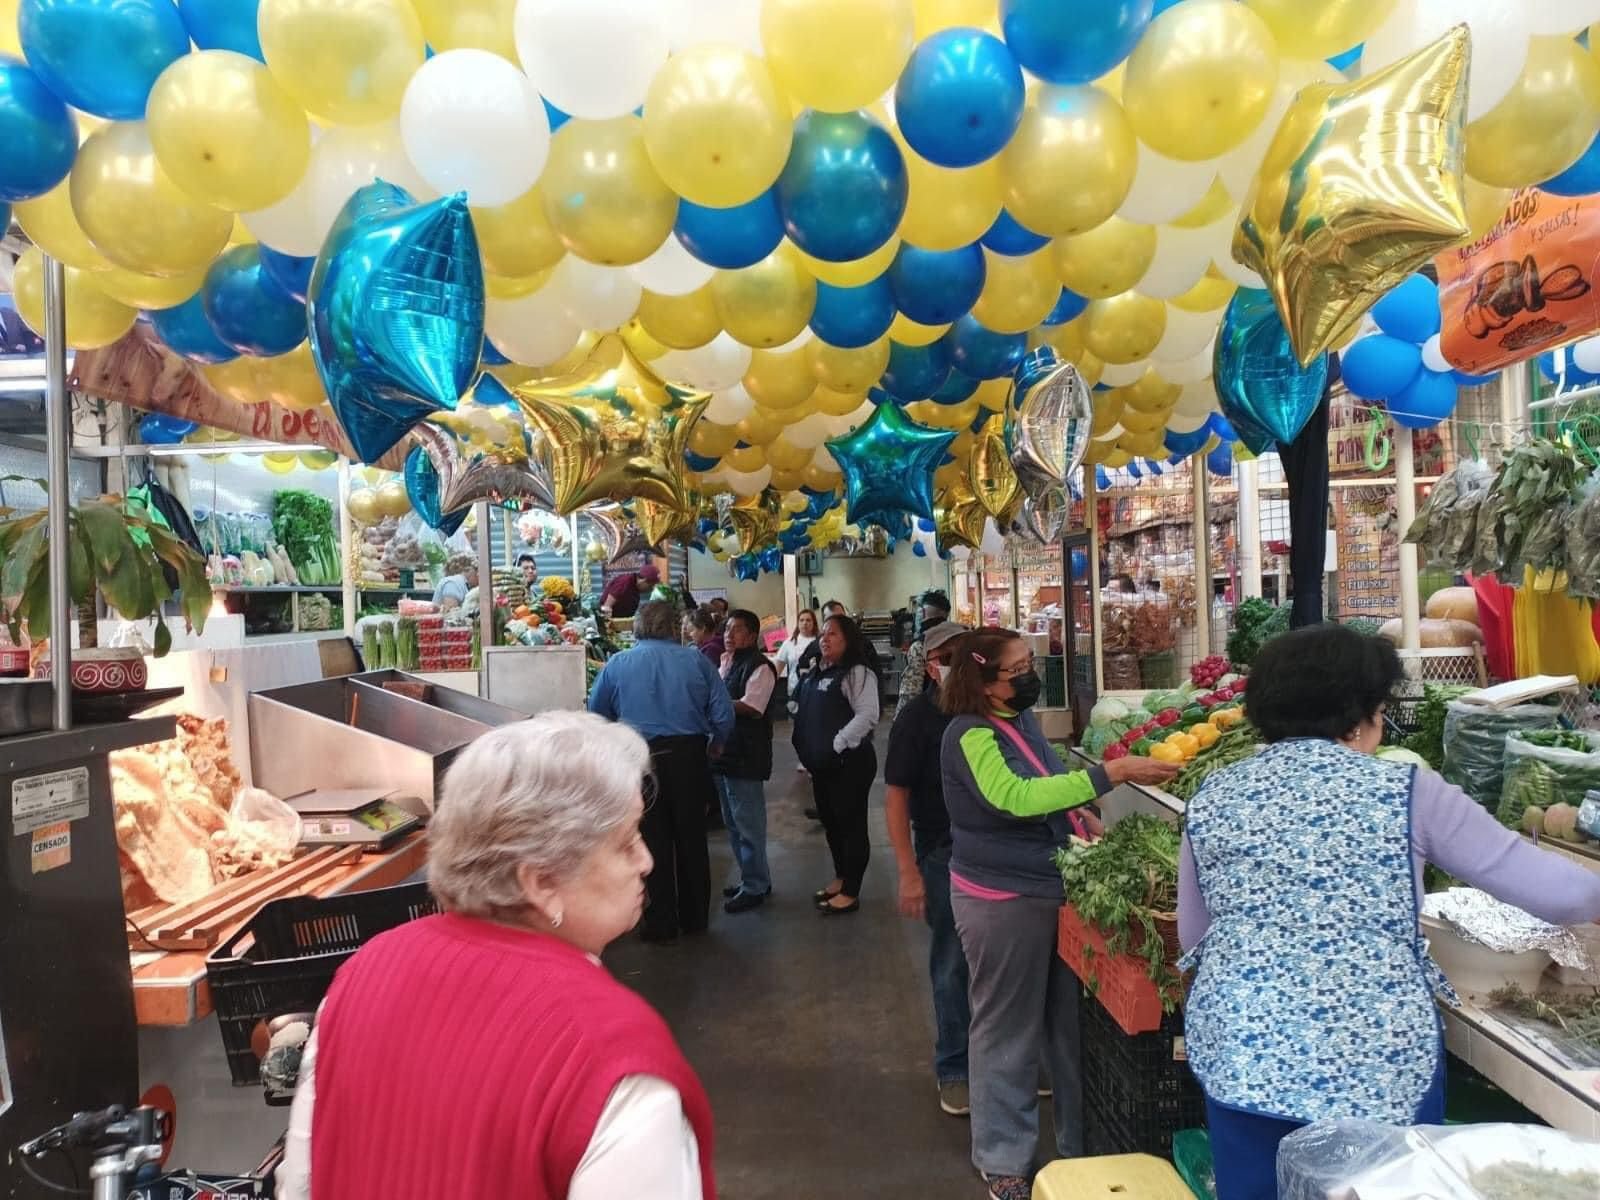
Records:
x=744, y=811
x=947, y=962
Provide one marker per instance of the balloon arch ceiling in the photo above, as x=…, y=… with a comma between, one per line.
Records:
x=758, y=269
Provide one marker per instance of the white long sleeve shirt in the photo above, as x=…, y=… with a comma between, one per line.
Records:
x=860, y=687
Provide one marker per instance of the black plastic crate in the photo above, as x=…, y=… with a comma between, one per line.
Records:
x=299, y=943
x=1137, y=1090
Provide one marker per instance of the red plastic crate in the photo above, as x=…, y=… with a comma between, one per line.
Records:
x=1119, y=983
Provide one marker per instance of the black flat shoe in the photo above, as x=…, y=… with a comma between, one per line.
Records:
x=834, y=910
x=728, y=893
x=823, y=896
x=745, y=901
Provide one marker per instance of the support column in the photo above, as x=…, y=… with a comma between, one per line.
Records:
x=58, y=490
x=1249, y=526
x=347, y=555
x=1202, y=562
x=485, y=592
x=1091, y=513
x=1405, y=508
x=791, y=592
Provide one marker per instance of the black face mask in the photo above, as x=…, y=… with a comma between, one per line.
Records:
x=1025, y=691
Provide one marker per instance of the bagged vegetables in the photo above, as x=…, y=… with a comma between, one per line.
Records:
x=1545, y=768
x=1475, y=744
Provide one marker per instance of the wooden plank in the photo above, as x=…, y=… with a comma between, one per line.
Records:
x=257, y=883
x=159, y=924
x=309, y=883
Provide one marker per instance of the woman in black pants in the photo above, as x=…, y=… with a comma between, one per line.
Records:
x=838, y=706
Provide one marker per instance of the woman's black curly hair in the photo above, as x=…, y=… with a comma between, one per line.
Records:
x=1320, y=682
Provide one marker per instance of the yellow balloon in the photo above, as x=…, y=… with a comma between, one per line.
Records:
x=51, y=225
x=640, y=341
x=837, y=55
x=1107, y=260
x=392, y=499
x=993, y=394
x=235, y=379
x=1137, y=421
x=93, y=318
x=934, y=15
x=781, y=382
x=820, y=479
x=853, y=370
x=1152, y=394
x=317, y=460
x=1210, y=294
x=1125, y=328
x=853, y=273
x=760, y=427
x=1147, y=443
x=785, y=456
x=602, y=196
x=684, y=322
x=1117, y=458
x=1068, y=133
x=1200, y=80
x=1066, y=339
x=1321, y=28
x=347, y=62
x=716, y=126
x=240, y=234
x=767, y=304
x=509, y=287
x=1545, y=122
x=836, y=404
x=910, y=333
x=1106, y=413
x=1018, y=292
x=290, y=380
x=745, y=458
x=226, y=132
x=712, y=440
x=1213, y=206
x=788, y=478
x=469, y=25
x=1090, y=367
x=947, y=208
x=149, y=292
x=133, y=212
x=280, y=462
x=950, y=475
x=9, y=43
x=1484, y=205
x=516, y=238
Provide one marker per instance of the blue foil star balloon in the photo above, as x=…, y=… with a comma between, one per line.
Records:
x=396, y=302
x=1263, y=390
x=888, y=465
x=422, y=487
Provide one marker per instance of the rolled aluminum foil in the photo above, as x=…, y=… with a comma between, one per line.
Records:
x=1479, y=917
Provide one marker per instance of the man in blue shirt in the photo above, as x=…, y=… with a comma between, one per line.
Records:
x=672, y=696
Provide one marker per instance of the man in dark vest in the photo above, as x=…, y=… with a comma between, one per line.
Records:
x=745, y=763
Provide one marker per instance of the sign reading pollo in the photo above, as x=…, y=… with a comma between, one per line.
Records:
x=1527, y=285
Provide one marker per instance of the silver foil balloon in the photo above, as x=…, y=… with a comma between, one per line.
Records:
x=1043, y=517
x=1050, y=418
x=607, y=521
x=482, y=451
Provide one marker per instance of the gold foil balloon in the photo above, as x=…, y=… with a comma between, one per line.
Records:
x=663, y=522
x=679, y=322
x=958, y=518
x=516, y=239
x=1321, y=28
x=755, y=519
x=468, y=25
x=948, y=208
x=1200, y=79
x=781, y=380
x=1360, y=186
x=226, y=132
x=1108, y=260
x=94, y=319
x=1545, y=122
x=1071, y=162
x=847, y=370
x=346, y=62
x=602, y=194
x=766, y=304
x=133, y=212
x=1019, y=291
x=51, y=225
x=993, y=479
x=1125, y=328
x=837, y=55
x=716, y=126
x=614, y=429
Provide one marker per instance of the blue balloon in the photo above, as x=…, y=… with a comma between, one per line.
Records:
x=956, y=388
x=926, y=526
x=1154, y=467
x=291, y=273
x=1425, y=401
x=934, y=287
x=492, y=356
x=1379, y=366
x=223, y=25
x=843, y=191
x=1346, y=60
x=959, y=98
x=1263, y=390
x=555, y=116
x=1184, y=444
x=158, y=429
x=488, y=391
x=102, y=56
x=1582, y=178
x=1411, y=311
x=919, y=550
x=1220, y=460
x=422, y=487
x=1069, y=306
x=1220, y=427
x=247, y=310
x=915, y=372
x=187, y=332
x=37, y=132
x=396, y=304
x=851, y=317
x=1080, y=563
x=983, y=353
x=1073, y=41
x=699, y=462
x=730, y=238
x=1009, y=236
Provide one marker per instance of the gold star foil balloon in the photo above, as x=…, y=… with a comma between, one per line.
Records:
x=482, y=451
x=993, y=479
x=1360, y=186
x=615, y=429
x=828, y=528
x=662, y=522
x=756, y=520
x=958, y=519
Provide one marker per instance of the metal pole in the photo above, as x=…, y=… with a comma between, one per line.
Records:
x=349, y=560
x=791, y=592
x=58, y=436
x=485, y=594
x=577, y=555
x=1202, y=561
x=1091, y=512
x=1405, y=510
x=1249, y=527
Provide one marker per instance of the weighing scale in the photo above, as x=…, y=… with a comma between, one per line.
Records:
x=366, y=817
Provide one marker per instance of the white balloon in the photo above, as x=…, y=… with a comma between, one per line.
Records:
x=471, y=122
x=1165, y=188
x=1110, y=435
x=730, y=22
x=1121, y=374
x=1237, y=272
x=1586, y=355
x=1196, y=399
x=596, y=297
x=822, y=459
x=1433, y=357
x=289, y=226
x=993, y=543
x=1184, y=422
x=595, y=59
x=532, y=329
x=1182, y=256
x=729, y=407
x=853, y=419
x=809, y=432
x=672, y=270
x=716, y=366
x=1499, y=41
x=1192, y=369
x=348, y=157
x=747, y=483
x=1561, y=16
x=1188, y=333
x=1237, y=168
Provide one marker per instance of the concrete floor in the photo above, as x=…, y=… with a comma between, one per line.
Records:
x=813, y=1036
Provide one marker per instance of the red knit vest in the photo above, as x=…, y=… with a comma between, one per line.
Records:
x=459, y=1058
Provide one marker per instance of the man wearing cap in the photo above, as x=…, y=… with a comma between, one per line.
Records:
x=934, y=607
x=622, y=595
x=919, y=829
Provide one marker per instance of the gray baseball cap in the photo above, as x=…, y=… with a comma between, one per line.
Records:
x=937, y=635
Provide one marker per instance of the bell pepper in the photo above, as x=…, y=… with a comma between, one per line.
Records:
x=1206, y=734
x=1142, y=748
x=1113, y=752
x=1166, y=752
x=1227, y=718
x=1192, y=715
x=1168, y=716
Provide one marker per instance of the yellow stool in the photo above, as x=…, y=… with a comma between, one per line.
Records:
x=1111, y=1177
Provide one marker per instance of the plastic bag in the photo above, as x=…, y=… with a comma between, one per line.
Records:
x=1366, y=1160
x=1475, y=744
x=272, y=822
x=1543, y=775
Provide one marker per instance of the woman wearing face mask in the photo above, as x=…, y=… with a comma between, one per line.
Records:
x=1010, y=800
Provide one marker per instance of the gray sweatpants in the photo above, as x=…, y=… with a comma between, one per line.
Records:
x=1024, y=1007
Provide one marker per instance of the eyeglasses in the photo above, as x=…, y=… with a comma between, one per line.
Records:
x=1024, y=668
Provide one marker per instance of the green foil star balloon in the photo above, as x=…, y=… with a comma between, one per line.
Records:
x=888, y=466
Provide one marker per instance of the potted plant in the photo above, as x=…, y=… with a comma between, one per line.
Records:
x=124, y=557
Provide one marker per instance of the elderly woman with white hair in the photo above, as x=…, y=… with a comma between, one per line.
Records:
x=485, y=1051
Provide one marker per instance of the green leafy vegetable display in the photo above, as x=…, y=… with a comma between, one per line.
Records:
x=1428, y=740
x=303, y=522
x=1254, y=622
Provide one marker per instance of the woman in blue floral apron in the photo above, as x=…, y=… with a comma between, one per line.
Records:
x=1299, y=883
